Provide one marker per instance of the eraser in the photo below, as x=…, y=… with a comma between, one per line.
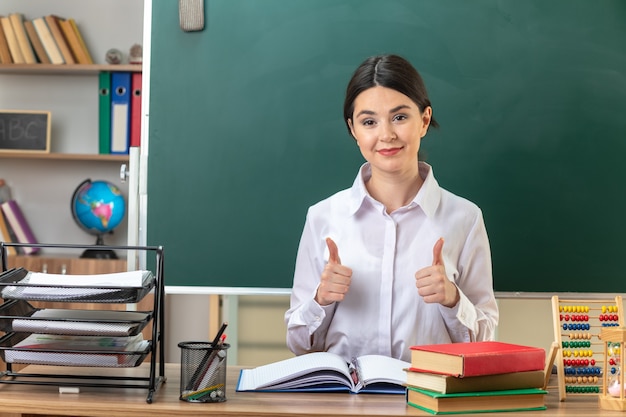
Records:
x=69, y=390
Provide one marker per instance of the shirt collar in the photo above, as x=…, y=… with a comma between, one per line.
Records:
x=427, y=197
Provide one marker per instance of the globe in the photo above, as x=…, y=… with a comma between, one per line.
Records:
x=98, y=207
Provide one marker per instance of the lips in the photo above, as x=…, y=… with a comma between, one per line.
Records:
x=389, y=151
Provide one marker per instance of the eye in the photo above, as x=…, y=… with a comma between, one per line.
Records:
x=399, y=117
x=368, y=122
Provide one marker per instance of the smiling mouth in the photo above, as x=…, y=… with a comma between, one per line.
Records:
x=389, y=151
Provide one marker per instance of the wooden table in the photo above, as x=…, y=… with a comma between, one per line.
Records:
x=29, y=400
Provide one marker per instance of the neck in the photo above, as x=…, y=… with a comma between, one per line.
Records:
x=394, y=190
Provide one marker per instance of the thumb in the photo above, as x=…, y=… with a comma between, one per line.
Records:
x=333, y=252
x=437, y=252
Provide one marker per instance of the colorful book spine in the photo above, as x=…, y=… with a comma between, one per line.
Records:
x=20, y=226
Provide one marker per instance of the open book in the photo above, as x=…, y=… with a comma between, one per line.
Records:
x=325, y=371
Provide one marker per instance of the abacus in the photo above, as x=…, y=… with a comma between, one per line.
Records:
x=577, y=326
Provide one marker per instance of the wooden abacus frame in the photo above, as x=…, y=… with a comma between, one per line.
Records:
x=593, y=334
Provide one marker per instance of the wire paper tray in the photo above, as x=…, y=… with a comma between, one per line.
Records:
x=21, y=316
x=69, y=357
x=15, y=286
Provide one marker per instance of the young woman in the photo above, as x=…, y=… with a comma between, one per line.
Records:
x=395, y=260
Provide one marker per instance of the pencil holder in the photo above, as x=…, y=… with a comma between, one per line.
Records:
x=203, y=372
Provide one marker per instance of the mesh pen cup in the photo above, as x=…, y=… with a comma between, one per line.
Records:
x=202, y=372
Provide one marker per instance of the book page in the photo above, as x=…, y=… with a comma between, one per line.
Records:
x=298, y=372
x=378, y=368
x=128, y=279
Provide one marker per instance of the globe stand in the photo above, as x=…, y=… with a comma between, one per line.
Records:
x=99, y=253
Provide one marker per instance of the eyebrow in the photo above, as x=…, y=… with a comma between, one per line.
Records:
x=395, y=109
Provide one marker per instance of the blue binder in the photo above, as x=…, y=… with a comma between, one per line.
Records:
x=120, y=112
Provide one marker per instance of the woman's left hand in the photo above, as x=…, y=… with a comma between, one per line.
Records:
x=432, y=282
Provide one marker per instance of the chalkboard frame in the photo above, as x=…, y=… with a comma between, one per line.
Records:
x=38, y=144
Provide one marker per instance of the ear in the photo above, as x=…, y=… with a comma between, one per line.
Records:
x=427, y=116
x=351, y=129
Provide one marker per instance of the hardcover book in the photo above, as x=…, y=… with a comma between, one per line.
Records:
x=15, y=218
x=448, y=384
x=477, y=358
x=476, y=402
x=327, y=372
x=47, y=40
x=17, y=21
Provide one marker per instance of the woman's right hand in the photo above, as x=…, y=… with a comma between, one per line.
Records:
x=335, y=279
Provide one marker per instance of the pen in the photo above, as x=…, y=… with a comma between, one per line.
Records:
x=206, y=361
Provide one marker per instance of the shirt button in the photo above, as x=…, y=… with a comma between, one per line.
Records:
x=317, y=319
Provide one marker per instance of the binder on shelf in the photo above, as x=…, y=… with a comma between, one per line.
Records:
x=15, y=218
x=120, y=112
x=49, y=44
x=104, y=113
x=5, y=52
x=38, y=47
x=17, y=21
x=135, y=110
x=57, y=35
x=14, y=46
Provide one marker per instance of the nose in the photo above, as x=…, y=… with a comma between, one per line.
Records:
x=387, y=133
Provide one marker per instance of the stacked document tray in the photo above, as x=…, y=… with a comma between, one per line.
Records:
x=73, y=337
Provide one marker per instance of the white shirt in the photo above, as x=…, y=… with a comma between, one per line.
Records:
x=382, y=313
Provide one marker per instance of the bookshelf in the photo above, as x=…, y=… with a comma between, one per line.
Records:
x=43, y=183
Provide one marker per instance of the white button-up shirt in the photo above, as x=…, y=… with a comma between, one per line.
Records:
x=382, y=313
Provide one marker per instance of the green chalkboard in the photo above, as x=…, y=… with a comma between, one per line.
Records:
x=245, y=130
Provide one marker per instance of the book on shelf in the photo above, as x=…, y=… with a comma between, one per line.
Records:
x=16, y=220
x=476, y=402
x=38, y=47
x=327, y=372
x=49, y=44
x=5, y=52
x=78, y=48
x=81, y=40
x=17, y=21
x=448, y=384
x=14, y=46
x=59, y=38
x=6, y=235
x=476, y=358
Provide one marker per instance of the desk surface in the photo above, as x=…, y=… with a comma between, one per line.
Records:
x=16, y=399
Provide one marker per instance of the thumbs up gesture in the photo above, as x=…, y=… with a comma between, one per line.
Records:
x=432, y=282
x=335, y=279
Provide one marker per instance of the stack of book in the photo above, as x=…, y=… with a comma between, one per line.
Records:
x=48, y=39
x=476, y=377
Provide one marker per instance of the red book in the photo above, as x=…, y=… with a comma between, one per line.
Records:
x=476, y=358
x=135, y=110
x=14, y=216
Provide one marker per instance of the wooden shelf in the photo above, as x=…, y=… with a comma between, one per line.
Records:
x=64, y=156
x=65, y=69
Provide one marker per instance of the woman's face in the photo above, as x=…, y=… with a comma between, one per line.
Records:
x=388, y=127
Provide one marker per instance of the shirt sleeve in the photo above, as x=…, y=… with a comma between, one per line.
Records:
x=475, y=316
x=307, y=321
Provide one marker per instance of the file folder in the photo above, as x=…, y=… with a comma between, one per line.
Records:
x=120, y=112
x=135, y=110
x=104, y=113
